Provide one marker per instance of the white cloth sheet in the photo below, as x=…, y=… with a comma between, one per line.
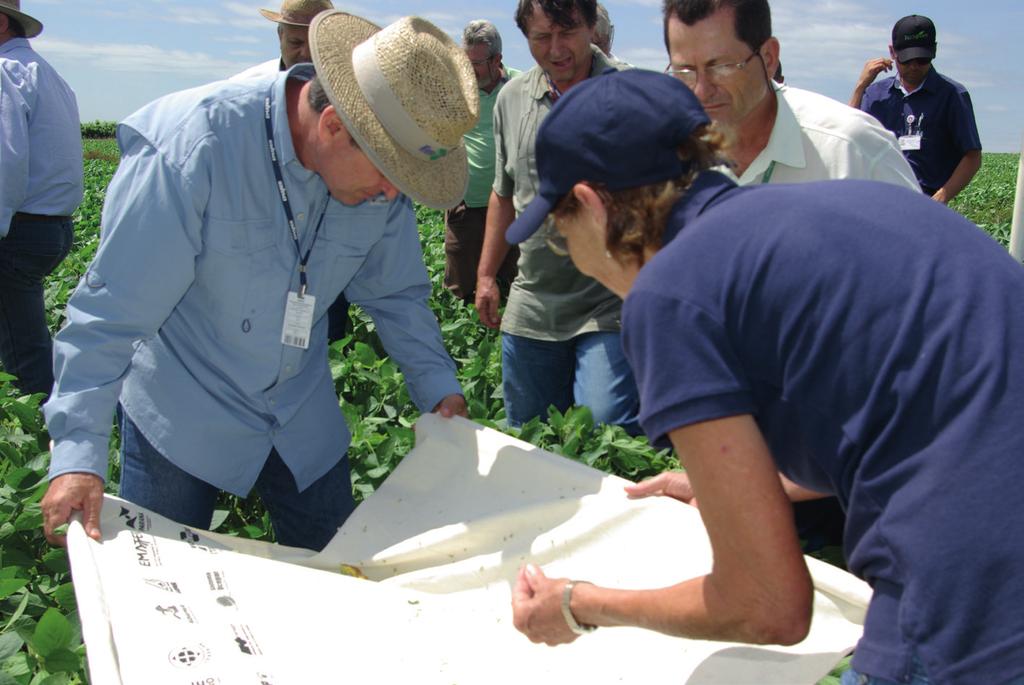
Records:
x=443, y=538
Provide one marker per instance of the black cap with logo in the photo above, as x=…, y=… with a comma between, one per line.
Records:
x=913, y=37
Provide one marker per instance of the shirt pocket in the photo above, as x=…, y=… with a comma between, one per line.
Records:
x=241, y=270
x=349, y=235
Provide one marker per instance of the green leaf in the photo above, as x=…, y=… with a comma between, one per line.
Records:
x=62, y=660
x=10, y=643
x=7, y=679
x=65, y=596
x=18, y=665
x=17, y=612
x=8, y=586
x=53, y=632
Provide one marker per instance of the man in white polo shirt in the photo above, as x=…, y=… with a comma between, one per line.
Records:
x=725, y=52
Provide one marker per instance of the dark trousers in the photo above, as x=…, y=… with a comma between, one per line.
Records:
x=463, y=242
x=33, y=248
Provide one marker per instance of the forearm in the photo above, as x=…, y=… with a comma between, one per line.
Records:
x=698, y=609
x=961, y=176
x=858, y=95
x=500, y=214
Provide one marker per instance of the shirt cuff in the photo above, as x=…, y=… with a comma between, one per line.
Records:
x=71, y=455
x=430, y=388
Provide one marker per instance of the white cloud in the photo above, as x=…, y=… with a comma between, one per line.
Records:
x=120, y=57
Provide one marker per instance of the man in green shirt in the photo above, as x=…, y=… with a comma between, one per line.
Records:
x=560, y=329
x=464, y=223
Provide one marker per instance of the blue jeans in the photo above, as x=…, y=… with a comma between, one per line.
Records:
x=33, y=248
x=301, y=519
x=589, y=370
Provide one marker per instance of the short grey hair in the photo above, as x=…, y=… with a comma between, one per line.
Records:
x=317, y=96
x=482, y=32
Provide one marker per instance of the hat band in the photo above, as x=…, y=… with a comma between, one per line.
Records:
x=387, y=107
x=297, y=18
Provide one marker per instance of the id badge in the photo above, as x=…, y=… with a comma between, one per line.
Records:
x=910, y=142
x=298, y=320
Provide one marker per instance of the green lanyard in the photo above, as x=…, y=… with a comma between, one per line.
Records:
x=768, y=174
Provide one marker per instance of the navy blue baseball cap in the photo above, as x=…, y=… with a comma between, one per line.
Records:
x=621, y=129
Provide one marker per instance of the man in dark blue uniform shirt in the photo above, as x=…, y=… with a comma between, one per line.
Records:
x=930, y=114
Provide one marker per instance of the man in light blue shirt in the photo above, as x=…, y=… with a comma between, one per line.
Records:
x=40, y=187
x=239, y=212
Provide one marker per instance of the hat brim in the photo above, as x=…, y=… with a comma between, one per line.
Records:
x=917, y=52
x=278, y=18
x=441, y=183
x=532, y=218
x=32, y=26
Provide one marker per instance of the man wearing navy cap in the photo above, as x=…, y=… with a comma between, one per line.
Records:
x=929, y=113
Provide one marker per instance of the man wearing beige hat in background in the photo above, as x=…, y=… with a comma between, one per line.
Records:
x=40, y=187
x=292, y=33
x=240, y=210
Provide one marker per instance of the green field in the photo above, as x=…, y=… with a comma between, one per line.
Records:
x=40, y=640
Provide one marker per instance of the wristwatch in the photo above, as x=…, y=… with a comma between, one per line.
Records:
x=570, y=620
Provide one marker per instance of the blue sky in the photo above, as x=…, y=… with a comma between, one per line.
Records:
x=120, y=55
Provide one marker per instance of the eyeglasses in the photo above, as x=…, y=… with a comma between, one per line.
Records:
x=716, y=73
x=556, y=242
x=478, y=62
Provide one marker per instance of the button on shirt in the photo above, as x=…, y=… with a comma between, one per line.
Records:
x=939, y=111
x=184, y=302
x=40, y=137
x=816, y=138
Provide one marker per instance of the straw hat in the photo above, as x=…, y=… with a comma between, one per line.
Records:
x=406, y=94
x=12, y=8
x=297, y=12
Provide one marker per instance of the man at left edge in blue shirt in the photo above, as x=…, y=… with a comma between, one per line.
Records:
x=40, y=187
x=239, y=211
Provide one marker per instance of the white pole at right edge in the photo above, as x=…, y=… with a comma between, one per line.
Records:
x=1017, y=227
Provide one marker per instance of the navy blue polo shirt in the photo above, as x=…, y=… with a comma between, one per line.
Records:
x=940, y=110
x=877, y=338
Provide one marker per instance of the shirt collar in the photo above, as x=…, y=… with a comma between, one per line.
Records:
x=927, y=84
x=708, y=189
x=538, y=84
x=12, y=44
x=785, y=143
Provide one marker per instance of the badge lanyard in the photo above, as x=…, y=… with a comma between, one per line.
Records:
x=298, y=316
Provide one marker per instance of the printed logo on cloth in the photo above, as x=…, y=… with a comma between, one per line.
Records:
x=192, y=538
x=245, y=641
x=165, y=585
x=217, y=581
x=146, y=552
x=178, y=612
x=137, y=522
x=206, y=681
x=189, y=655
